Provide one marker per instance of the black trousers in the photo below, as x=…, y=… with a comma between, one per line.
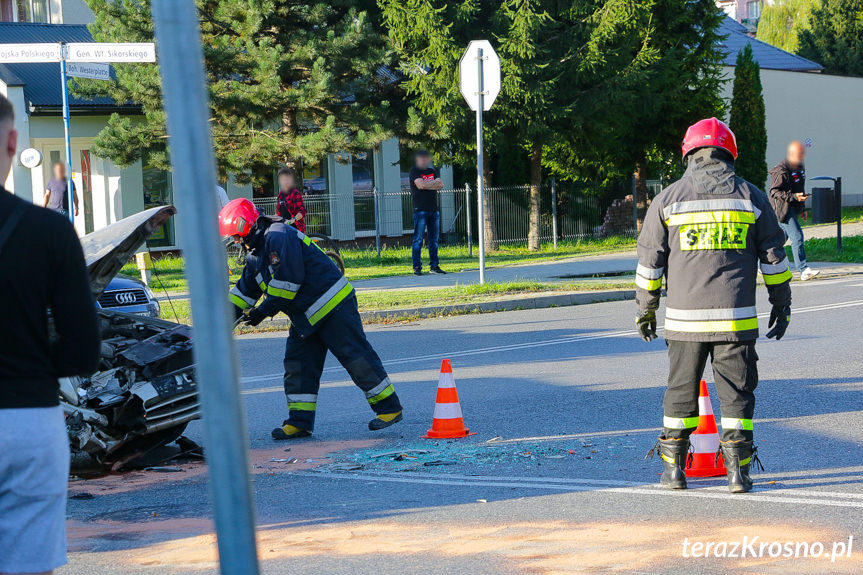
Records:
x=342, y=334
x=735, y=371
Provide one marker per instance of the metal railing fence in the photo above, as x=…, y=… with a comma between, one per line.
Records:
x=568, y=211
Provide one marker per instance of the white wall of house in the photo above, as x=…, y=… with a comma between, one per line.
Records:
x=18, y=182
x=71, y=12
x=826, y=110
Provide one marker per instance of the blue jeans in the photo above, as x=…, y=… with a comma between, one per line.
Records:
x=426, y=221
x=795, y=234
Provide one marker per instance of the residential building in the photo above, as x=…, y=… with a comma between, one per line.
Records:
x=804, y=104
x=45, y=11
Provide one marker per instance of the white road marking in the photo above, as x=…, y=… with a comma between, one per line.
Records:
x=783, y=496
x=535, y=344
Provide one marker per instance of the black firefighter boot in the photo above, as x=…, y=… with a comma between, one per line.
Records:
x=673, y=453
x=738, y=456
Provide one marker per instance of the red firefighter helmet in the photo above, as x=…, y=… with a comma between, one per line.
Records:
x=237, y=218
x=709, y=133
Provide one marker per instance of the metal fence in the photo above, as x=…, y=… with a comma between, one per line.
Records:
x=567, y=211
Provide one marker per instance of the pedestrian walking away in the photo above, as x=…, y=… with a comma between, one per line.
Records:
x=707, y=234
x=425, y=182
x=57, y=191
x=294, y=276
x=290, y=200
x=787, y=196
x=41, y=268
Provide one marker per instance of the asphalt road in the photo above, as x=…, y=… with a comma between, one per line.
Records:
x=564, y=402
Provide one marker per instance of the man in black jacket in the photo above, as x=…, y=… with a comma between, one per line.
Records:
x=49, y=331
x=787, y=196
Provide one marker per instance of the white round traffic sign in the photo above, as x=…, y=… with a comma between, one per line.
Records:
x=31, y=158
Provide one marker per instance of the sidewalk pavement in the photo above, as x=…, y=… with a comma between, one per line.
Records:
x=563, y=270
x=829, y=230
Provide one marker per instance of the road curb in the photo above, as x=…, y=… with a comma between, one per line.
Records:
x=531, y=302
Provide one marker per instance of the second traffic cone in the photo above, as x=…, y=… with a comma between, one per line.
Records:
x=705, y=441
x=448, y=421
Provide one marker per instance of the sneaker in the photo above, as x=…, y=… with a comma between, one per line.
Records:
x=437, y=270
x=418, y=272
x=808, y=273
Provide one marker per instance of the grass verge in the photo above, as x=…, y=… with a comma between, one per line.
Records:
x=850, y=215
x=179, y=310
x=396, y=261
x=824, y=250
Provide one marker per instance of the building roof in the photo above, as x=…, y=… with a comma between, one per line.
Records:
x=41, y=82
x=768, y=57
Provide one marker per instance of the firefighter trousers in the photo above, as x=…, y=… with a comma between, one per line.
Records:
x=342, y=334
x=735, y=372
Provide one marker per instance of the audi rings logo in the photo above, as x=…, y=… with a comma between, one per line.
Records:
x=125, y=298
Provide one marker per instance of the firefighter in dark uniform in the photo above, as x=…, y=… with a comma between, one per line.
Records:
x=707, y=234
x=294, y=276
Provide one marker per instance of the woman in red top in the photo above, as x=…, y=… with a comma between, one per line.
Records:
x=290, y=200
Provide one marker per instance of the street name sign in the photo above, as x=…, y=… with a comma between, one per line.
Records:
x=93, y=71
x=474, y=82
x=30, y=53
x=109, y=52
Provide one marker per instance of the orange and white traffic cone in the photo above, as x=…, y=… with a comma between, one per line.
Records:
x=705, y=441
x=448, y=421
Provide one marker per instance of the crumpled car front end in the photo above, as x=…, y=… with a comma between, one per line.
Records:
x=144, y=394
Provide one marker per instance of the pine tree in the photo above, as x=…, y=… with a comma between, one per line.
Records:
x=835, y=37
x=560, y=62
x=748, y=119
x=288, y=81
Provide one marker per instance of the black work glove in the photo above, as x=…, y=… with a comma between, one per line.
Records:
x=646, y=322
x=254, y=316
x=781, y=316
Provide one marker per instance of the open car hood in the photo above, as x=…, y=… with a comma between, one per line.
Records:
x=109, y=249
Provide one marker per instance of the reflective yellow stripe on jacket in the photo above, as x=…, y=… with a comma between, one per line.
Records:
x=240, y=299
x=283, y=289
x=711, y=320
x=776, y=273
x=333, y=297
x=648, y=278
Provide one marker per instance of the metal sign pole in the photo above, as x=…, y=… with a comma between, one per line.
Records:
x=837, y=201
x=554, y=212
x=194, y=169
x=480, y=189
x=70, y=194
x=469, y=220
x=377, y=221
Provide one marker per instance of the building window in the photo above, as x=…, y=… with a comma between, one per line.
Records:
x=315, y=177
x=753, y=10
x=362, y=170
x=38, y=11
x=159, y=191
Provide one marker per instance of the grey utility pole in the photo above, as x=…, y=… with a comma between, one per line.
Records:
x=181, y=60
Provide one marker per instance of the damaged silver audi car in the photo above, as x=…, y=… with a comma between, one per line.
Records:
x=144, y=394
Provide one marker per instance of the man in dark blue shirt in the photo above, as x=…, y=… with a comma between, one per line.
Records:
x=425, y=183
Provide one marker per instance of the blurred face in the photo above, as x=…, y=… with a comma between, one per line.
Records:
x=8, y=144
x=423, y=161
x=796, y=153
x=60, y=171
x=287, y=182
